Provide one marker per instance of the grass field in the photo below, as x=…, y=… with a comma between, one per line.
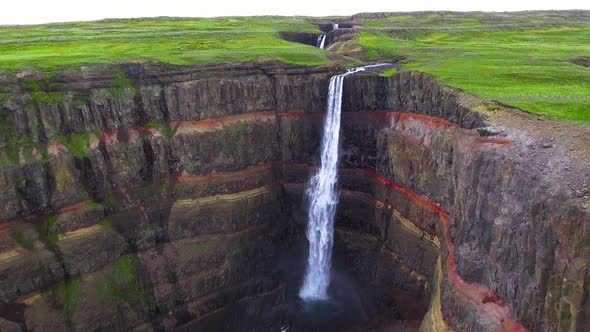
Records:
x=173, y=41
x=520, y=59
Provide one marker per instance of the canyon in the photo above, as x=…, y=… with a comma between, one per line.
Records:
x=160, y=197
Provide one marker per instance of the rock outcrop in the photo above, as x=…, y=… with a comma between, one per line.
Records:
x=149, y=197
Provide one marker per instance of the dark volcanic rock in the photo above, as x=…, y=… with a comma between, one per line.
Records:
x=145, y=196
x=300, y=37
x=582, y=61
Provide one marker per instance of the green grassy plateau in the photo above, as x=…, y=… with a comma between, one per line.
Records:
x=173, y=41
x=522, y=59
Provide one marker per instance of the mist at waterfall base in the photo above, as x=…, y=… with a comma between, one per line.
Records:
x=346, y=306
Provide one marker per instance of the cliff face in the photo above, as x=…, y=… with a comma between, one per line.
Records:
x=513, y=194
x=155, y=197
x=147, y=196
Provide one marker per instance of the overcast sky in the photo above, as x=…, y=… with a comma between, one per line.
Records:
x=44, y=11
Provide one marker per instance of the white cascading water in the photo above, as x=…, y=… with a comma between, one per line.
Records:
x=323, y=198
x=335, y=26
x=321, y=41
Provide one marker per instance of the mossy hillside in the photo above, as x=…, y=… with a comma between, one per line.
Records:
x=520, y=60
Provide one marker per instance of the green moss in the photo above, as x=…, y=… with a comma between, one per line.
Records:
x=44, y=152
x=123, y=283
x=389, y=72
x=10, y=138
x=172, y=277
x=47, y=98
x=4, y=97
x=77, y=144
x=90, y=203
x=22, y=240
x=47, y=232
x=121, y=84
x=93, y=205
x=15, y=144
x=163, y=128
x=148, y=192
x=113, y=201
x=28, y=145
x=67, y=297
x=105, y=223
x=38, y=94
x=80, y=101
x=237, y=134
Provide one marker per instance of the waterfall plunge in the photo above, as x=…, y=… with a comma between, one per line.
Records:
x=323, y=198
x=321, y=42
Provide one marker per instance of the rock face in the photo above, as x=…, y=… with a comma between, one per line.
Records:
x=155, y=198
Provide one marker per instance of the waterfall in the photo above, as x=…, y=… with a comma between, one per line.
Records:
x=321, y=41
x=323, y=198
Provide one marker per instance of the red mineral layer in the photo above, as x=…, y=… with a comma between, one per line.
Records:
x=481, y=297
x=219, y=123
x=397, y=118
x=403, y=121
x=73, y=208
x=300, y=115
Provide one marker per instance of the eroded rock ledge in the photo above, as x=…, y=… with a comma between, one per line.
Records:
x=154, y=198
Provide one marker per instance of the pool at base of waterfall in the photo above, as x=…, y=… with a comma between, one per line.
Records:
x=351, y=305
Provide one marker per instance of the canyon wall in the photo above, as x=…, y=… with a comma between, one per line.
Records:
x=146, y=197
x=153, y=197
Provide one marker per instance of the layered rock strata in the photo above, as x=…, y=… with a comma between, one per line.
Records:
x=150, y=197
